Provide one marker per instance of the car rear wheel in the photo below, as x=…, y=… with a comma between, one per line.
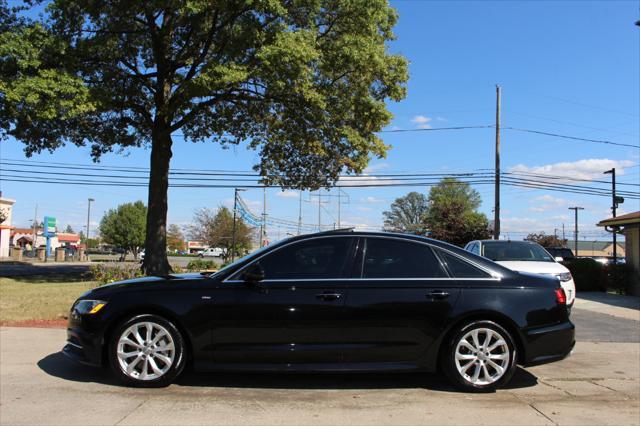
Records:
x=147, y=351
x=480, y=357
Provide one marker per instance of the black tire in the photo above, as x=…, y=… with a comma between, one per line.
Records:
x=179, y=355
x=450, y=368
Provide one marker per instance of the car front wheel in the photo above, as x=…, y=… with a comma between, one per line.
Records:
x=147, y=351
x=480, y=357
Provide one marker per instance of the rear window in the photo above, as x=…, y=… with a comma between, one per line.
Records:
x=460, y=268
x=387, y=258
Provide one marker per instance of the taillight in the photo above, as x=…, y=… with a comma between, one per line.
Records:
x=561, y=297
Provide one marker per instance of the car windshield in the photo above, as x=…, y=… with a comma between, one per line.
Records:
x=515, y=251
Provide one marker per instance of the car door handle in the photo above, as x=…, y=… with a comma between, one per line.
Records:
x=437, y=295
x=328, y=296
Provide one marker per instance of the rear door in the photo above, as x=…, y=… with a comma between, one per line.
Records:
x=400, y=297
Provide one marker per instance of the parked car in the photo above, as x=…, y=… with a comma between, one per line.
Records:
x=329, y=302
x=525, y=256
x=561, y=254
x=212, y=252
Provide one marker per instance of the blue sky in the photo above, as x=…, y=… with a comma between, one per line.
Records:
x=564, y=67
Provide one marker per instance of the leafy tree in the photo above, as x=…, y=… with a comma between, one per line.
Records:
x=304, y=82
x=546, y=240
x=407, y=214
x=69, y=230
x=175, y=238
x=124, y=226
x=453, y=215
x=215, y=228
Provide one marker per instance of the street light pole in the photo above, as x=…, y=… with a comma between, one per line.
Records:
x=88, y=218
x=233, y=234
x=614, y=205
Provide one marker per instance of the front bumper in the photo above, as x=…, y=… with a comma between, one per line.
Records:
x=548, y=344
x=82, y=344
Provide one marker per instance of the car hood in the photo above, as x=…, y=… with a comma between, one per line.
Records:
x=147, y=283
x=534, y=267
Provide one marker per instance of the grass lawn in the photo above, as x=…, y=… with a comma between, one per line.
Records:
x=38, y=297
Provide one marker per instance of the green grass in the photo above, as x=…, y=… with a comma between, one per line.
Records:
x=38, y=298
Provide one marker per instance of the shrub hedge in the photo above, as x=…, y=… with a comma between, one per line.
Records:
x=590, y=275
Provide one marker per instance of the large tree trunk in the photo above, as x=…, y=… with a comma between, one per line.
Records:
x=155, y=256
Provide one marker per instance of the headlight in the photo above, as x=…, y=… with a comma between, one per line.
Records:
x=90, y=307
x=565, y=276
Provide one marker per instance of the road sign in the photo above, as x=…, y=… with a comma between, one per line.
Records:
x=49, y=226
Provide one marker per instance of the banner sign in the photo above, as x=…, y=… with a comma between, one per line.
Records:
x=49, y=226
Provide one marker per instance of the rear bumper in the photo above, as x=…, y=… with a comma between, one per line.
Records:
x=549, y=344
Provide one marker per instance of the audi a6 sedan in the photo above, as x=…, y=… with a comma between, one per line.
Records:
x=338, y=301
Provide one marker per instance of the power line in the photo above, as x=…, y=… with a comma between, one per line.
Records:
x=539, y=132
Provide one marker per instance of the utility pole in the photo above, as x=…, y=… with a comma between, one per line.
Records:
x=496, y=210
x=300, y=213
x=88, y=218
x=575, y=235
x=614, y=205
x=233, y=233
x=319, y=206
x=563, y=238
x=263, y=226
x=35, y=230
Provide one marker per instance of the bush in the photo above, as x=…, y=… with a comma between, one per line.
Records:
x=588, y=275
x=105, y=273
x=620, y=278
x=198, y=265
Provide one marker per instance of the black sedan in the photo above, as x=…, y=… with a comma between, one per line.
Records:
x=333, y=302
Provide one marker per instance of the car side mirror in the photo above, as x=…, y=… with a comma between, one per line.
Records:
x=559, y=259
x=254, y=274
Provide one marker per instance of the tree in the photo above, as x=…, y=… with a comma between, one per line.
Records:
x=407, y=214
x=546, y=240
x=453, y=215
x=175, y=238
x=69, y=230
x=215, y=228
x=303, y=82
x=125, y=226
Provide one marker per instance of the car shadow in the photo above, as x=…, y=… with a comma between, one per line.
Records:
x=629, y=302
x=57, y=365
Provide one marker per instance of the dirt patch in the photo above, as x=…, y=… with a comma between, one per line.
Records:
x=38, y=323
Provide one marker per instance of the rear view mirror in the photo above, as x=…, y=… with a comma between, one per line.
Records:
x=559, y=259
x=254, y=274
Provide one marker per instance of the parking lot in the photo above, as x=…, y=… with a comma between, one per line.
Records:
x=598, y=384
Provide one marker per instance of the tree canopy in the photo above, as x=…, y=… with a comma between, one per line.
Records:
x=453, y=215
x=215, y=228
x=124, y=226
x=175, y=238
x=407, y=214
x=546, y=240
x=304, y=82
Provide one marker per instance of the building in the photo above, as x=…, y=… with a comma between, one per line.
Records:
x=6, y=213
x=23, y=237
x=629, y=226
x=196, y=246
x=597, y=248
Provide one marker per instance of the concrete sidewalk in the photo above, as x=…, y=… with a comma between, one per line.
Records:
x=627, y=307
x=598, y=384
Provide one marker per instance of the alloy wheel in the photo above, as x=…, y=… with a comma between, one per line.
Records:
x=145, y=351
x=482, y=356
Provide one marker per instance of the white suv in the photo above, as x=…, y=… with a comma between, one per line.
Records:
x=525, y=256
x=212, y=252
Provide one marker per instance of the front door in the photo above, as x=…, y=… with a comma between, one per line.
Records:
x=398, y=303
x=294, y=315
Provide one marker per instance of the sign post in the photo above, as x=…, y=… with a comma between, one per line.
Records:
x=48, y=232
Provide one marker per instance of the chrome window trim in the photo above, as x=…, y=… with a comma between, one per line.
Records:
x=494, y=276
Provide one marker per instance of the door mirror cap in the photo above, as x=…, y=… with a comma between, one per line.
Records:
x=558, y=259
x=254, y=274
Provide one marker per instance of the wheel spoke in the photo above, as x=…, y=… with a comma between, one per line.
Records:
x=487, y=376
x=163, y=358
x=160, y=335
x=487, y=339
x=154, y=367
x=474, y=336
x=476, y=374
x=497, y=343
x=465, y=356
x=149, y=328
x=466, y=344
x=127, y=355
x=499, y=357
x=145, y=367
x=466, y=367
x=164, y=348
x=130, y=342
x=131, y=367
x=136, y=334
x=498, y=368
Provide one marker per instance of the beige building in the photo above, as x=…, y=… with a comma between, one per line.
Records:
x=629, y=225
x=597, y=248
x=6, y=210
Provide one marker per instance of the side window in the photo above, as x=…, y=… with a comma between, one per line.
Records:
x=461, y=269
x=387, y=258
x=312, y=259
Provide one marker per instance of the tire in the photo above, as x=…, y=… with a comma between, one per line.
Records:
x=151, y=367
x=471, y=370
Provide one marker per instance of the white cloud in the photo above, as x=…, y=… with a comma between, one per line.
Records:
x=421, y=121
x=547, y=202
x=589, y=169
x=288, y=194
x=371, y=200
x=364, y=209
x=372, y=168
